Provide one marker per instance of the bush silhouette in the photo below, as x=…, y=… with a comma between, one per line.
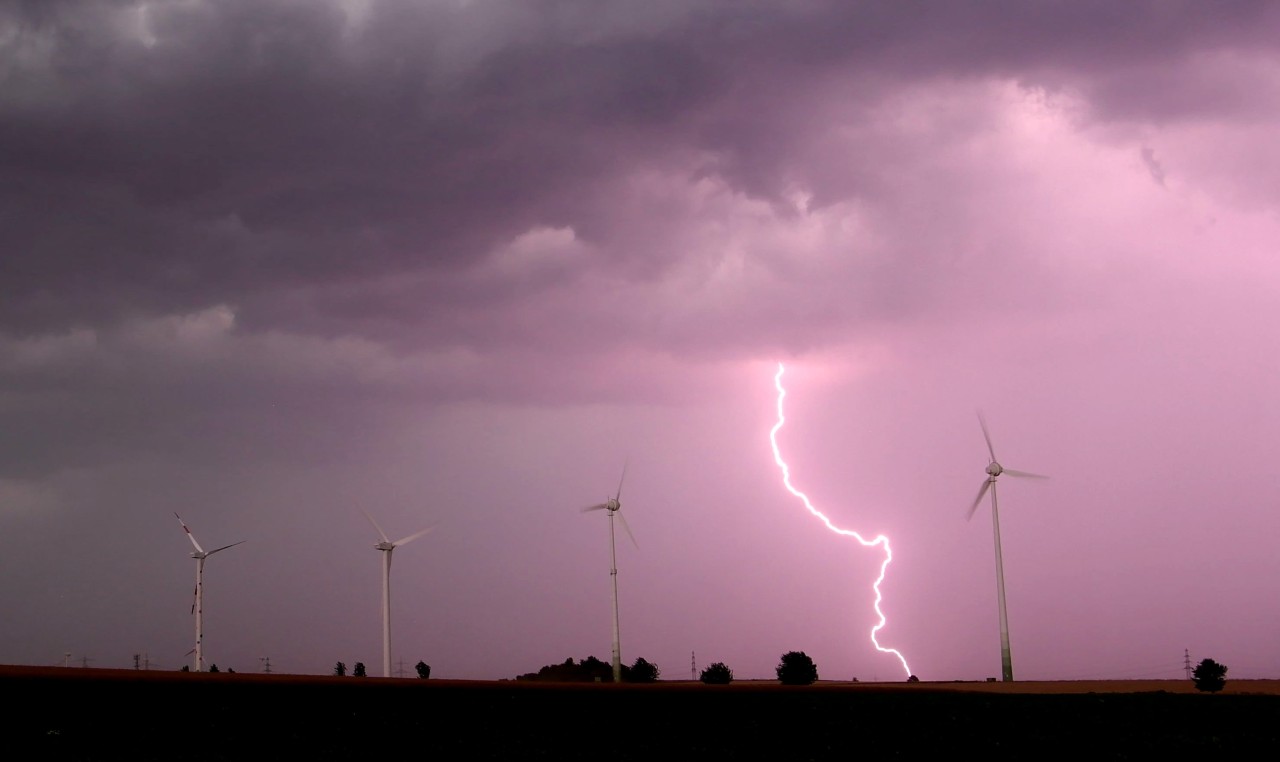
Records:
x=643, y=671
x=717, y=674
x=340, y=669
x=1209, y=676
x=588, y=670
x=358, y=670
x=796, y=668
x=424, y=669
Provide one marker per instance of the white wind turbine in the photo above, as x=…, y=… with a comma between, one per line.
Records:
x=386, y=546
x=613, y=505
x=994, y=470
x=197, y=607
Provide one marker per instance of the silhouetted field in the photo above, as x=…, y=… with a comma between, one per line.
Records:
x=89, y=714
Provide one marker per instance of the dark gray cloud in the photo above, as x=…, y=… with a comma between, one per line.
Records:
x=197, y=154
x=253, y=147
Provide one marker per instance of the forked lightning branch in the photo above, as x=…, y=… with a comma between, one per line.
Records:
x=879, y=540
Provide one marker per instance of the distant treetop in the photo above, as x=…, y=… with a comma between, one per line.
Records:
x=796, y=668
x=717, y=674
x=1209, y=676
x=593, y=670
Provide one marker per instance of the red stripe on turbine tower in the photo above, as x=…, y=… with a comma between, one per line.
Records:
x=879, y=540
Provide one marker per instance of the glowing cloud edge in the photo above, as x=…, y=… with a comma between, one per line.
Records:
x=879, y=540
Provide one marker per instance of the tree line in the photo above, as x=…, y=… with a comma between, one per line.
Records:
x=592, y=670
x=358, y=670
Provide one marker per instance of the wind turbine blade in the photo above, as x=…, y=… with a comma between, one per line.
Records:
x=224, y=547
x=618, y=496
x=188, y=531
x=1024, y=474
x=987, y=435
x=599, y=507
x=381, y=533
x=982, y=491
x=628, y=528
x=413, y=536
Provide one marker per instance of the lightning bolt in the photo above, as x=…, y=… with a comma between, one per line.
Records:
x=879, y=540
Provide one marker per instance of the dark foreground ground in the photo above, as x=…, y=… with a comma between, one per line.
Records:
x=118, y=714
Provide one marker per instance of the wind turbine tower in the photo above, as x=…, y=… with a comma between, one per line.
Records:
x=613, y=505
x=197, y=607
x=387, y=546
x=994, y=471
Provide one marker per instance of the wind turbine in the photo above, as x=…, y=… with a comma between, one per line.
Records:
x=197, y=606
x=613, y=505
x=386, y=546
x=995, y=470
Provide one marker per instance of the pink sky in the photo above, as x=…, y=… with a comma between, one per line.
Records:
x=461, y=262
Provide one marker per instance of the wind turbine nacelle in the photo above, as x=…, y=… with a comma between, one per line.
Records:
x=613, y=505
x=995, y=469
x=385, y=546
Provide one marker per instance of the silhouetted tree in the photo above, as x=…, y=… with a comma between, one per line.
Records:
x=588, y=670
x=358, y=669
x=593, y=670
x=424, y=669
x=230, y=671
x=1209, y=675
x=185, y=668
x=910, y=679
x=340, y=669
x=796, y=668
x=214, y=668
x=641, y=672
x=717, y=674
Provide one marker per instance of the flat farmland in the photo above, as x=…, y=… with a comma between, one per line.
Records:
x=88, y=714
